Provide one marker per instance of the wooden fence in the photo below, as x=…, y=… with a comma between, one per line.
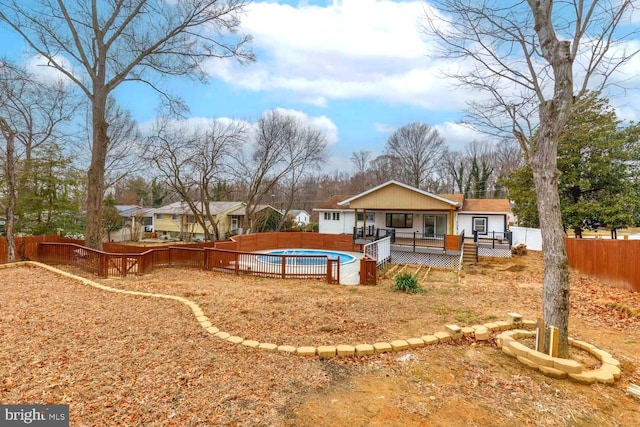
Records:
x=613, y=261
x=27, y=247
x=232, y=256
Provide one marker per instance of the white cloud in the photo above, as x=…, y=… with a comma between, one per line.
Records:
x=38, y=66
x=457, y=135
x=368, y=49
x=384, y=128
x=322, y=123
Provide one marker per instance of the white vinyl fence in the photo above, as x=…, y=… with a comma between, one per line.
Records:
x=531, y=237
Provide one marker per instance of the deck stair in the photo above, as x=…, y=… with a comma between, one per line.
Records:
x=469, y=252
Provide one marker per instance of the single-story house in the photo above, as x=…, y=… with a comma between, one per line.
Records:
x=425, y=228
x=403, y=208
x=300, y=217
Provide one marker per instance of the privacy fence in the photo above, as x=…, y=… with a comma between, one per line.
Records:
x=613, y=261
x=235, y=256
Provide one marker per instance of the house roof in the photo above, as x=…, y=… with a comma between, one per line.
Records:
x=241, y=211
x=132, y=210
x=296, y=212
x=180, y=208
x=333, y=202
x=486, y=205
x=400, y=184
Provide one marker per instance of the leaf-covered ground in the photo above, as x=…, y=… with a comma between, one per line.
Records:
x=123, y=360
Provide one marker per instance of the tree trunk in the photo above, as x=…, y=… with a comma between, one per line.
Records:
x=95, y=175
x=11, y=190
x=555, y=287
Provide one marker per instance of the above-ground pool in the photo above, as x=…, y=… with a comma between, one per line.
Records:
x=344, y=258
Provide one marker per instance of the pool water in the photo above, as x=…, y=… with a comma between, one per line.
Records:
x=343, y=257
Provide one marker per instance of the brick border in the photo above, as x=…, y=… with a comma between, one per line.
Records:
x=549, y=366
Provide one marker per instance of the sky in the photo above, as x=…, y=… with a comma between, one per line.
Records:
x=358, y=69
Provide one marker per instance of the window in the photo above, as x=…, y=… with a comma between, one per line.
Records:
x=332, y=216
x=159, y=216
x=399, y=220
x=435, y=225
x=480, y=224
x=174, y=217
x=371, y=216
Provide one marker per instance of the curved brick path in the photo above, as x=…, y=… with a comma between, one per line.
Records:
x=553, y=367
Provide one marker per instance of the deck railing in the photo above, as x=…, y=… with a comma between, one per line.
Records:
x=107, y=264
x=494, y=238
x=418, y=239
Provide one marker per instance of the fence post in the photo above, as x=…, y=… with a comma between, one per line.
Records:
x=415, y=233
x=124, y=265
x=284, y=266
x=329, y=270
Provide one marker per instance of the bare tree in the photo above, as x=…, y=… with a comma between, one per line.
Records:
x=416, y=148
x=124, y=148
x=509, y=158
x=284, y=148
x=305, y=152
x=457, y=167
x=100, y=45
x=383, y=168
x=30, y=114
x=361, y=160
x=513, y=56
x=194, y=162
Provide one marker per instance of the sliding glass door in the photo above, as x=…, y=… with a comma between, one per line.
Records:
x=435, y=224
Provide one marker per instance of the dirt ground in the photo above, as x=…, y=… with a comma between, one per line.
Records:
x=124, y=360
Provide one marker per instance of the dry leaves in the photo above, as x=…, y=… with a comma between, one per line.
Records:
x=123, y=360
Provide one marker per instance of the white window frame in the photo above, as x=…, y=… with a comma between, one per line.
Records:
x=484, y=220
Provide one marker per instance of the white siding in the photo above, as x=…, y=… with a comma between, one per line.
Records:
x=302, y=219
x=344, y=225
x=464, y=222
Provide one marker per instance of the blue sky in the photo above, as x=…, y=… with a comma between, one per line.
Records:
x=356, y=68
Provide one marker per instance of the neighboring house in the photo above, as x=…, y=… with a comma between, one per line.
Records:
x=400, y=207
x=237, y=217
x=176, y=220
x=300, y=217
x=136, y=216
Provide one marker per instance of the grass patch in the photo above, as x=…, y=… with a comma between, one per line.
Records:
x=466, y=315
x=408, y=283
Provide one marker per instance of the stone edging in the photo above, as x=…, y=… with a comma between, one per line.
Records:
x=556, y=367
x=550, y=366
